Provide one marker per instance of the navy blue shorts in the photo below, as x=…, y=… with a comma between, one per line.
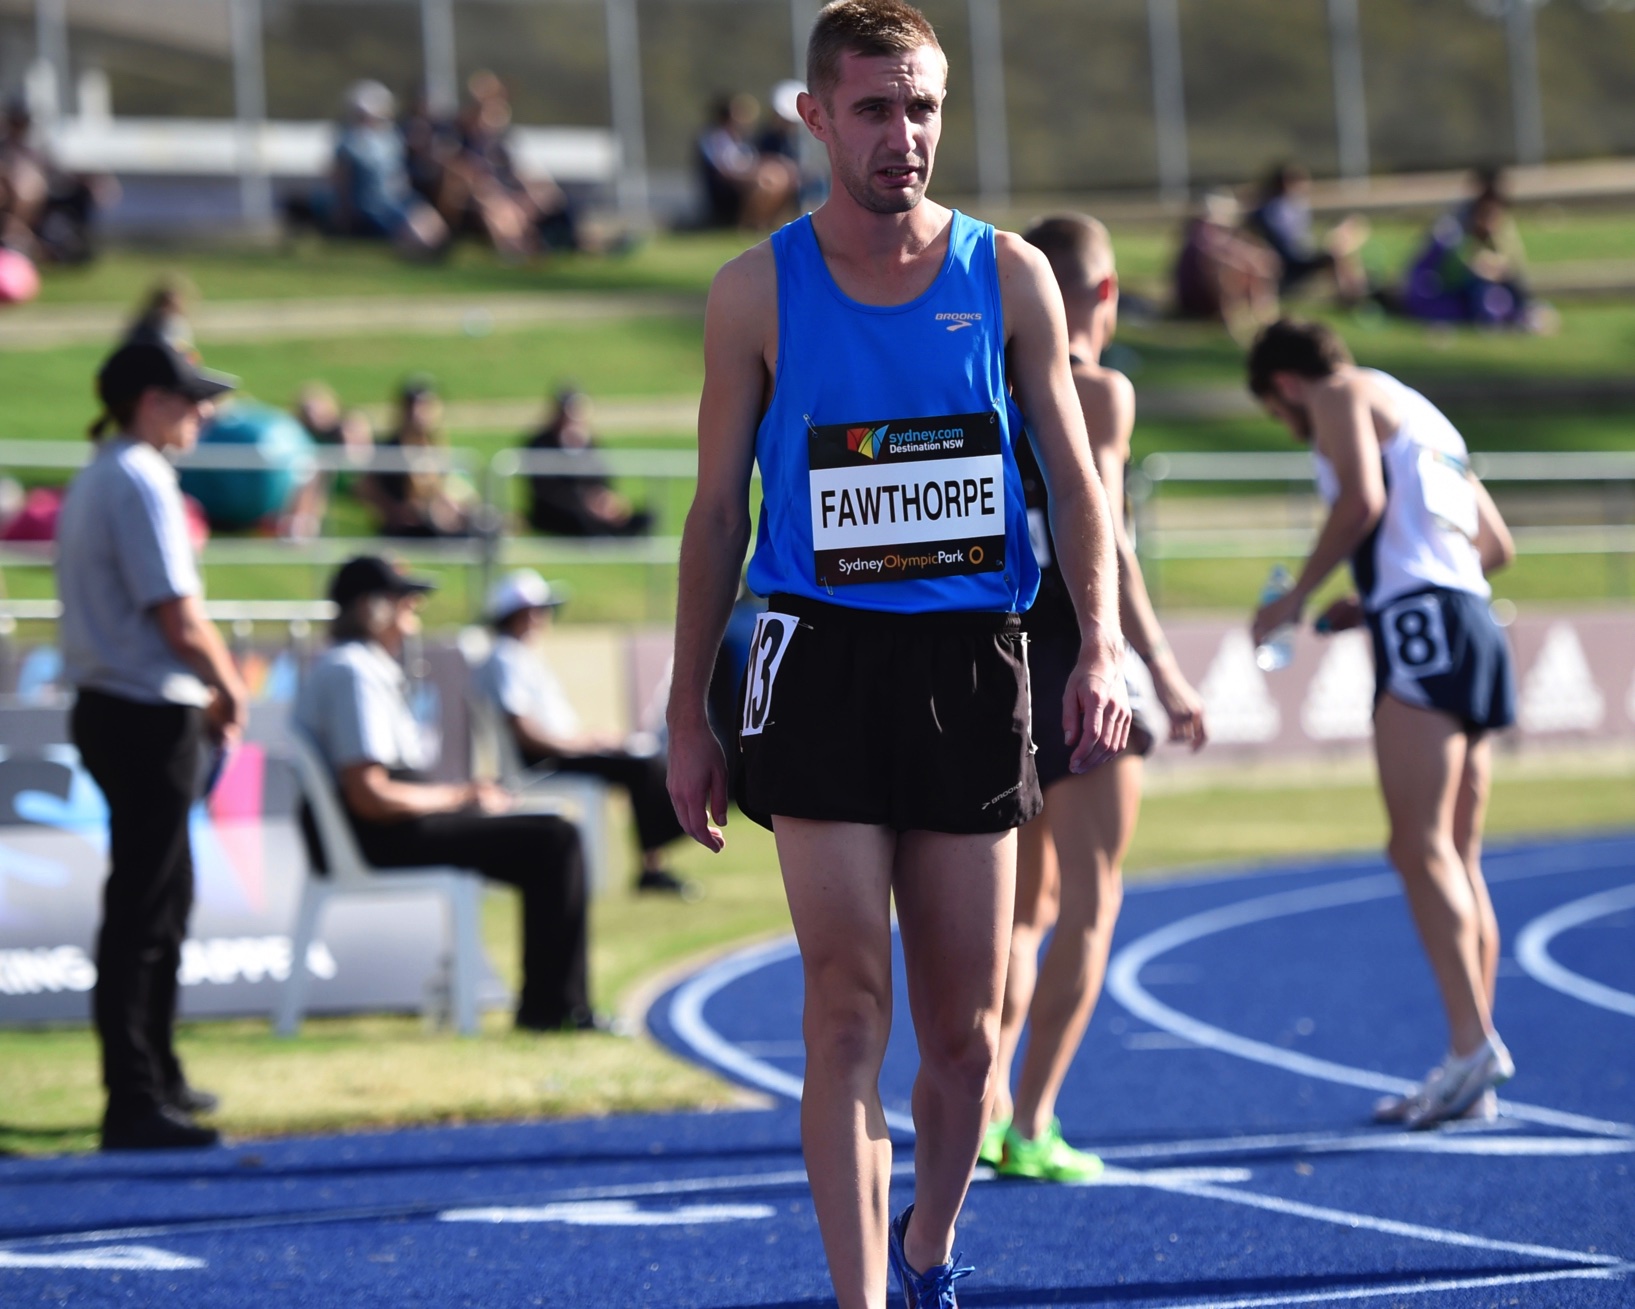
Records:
x=1441, y=650
x=1050, y=663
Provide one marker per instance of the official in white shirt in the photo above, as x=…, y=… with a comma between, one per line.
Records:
x=156, y=686
x=548, y=731
x=354, y=707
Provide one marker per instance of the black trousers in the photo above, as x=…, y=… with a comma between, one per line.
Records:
x=643, y=776
x=146, y=759
x=539, y=854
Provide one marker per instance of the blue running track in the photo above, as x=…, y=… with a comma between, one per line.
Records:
x=1249, y=1023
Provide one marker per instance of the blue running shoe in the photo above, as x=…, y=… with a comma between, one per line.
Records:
x=933, y=1289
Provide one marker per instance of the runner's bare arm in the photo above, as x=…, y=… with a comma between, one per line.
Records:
x=1095, y=709
x=740, y=327
x=1343, y=432
x=1493, y=540
x=1108, y=402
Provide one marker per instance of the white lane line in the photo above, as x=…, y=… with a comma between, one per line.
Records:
x=1496, y=1141
x=1387, y=1226
x=687, y=1018
x=1407, y=1288
x=1533, y=949
x=107, y=1258
x=611, y=1213
x=1124, y=985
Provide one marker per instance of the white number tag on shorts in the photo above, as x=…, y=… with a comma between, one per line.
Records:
x=1039, y=536
x=1416, y=641
x=766, y=651
x=1449, y=495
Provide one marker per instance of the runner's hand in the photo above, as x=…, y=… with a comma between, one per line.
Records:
x=1095, y=710
x=1344, y=614
x=1270, y=617
x=698, y=784
x=1183, y=706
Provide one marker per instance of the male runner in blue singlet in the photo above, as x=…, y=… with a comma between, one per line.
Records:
x=1421, y=533
x=867, y=356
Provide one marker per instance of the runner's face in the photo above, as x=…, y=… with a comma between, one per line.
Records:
x=1288, y=410
x=881, y=123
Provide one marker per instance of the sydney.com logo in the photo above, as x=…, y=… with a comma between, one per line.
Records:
x=867, y=441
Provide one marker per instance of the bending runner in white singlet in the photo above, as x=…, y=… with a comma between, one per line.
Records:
x=1069, y=859
x=876, y=359
x=1421, y=533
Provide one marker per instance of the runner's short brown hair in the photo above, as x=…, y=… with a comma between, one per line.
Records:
x=1078, y=247
x=864, y=27
x=1312, y=350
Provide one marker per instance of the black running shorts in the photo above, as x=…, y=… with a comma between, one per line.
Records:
x=1051, y=659
x=917, y=722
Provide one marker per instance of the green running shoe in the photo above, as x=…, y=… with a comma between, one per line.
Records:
x=1047, y=1157
x=993, y=1143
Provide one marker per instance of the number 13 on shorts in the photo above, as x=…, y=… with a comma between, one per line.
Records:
x=773, y=633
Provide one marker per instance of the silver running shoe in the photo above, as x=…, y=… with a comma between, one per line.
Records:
x=1394, y=1108
x=1459, y=1084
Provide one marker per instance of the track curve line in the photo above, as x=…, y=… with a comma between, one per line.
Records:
x=1533, y=949
x=1124, y=984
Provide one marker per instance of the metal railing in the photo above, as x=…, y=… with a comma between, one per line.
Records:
x=1613, y=537
x=492, y=548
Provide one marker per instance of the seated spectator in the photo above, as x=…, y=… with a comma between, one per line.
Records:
x=369, y=194
x=45, y=211
x=743, y=187
x=1283, y=220
x=423, y=500
x=1220, y=273
x=319, y=410
x=1472, y=267
x=548, y=732
x=354, y=707
x=578, y=506
x=466, y=169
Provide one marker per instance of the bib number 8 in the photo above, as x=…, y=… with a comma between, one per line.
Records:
x=1416, y=638
x=766, y=651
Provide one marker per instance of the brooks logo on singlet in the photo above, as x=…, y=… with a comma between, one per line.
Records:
x=912, y=497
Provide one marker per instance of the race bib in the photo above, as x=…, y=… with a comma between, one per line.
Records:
x=905, y=499
x=1416, y=639
x=766, y=651
x=1449, y=495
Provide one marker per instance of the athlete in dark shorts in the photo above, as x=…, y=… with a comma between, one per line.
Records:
x=1069, y=858
x=867, y=357
x=1421, y=533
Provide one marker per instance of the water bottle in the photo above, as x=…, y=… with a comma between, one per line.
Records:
x=1277, y=650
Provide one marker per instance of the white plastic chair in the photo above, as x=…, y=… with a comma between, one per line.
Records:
x=494, y=754
x=348, y=874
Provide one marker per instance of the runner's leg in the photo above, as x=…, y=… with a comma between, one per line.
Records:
x=954, y=901
x=1422, y=756
x=1037, y=903
x=838, y=880
x=1468, y=817
x=1093, y=817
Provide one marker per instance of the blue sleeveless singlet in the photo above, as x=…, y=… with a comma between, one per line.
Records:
x=888, y=477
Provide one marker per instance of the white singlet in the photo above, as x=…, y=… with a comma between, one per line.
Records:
x=1426, y=537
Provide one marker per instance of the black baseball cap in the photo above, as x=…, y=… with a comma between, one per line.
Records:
x=372, y=575
x=151, y=361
